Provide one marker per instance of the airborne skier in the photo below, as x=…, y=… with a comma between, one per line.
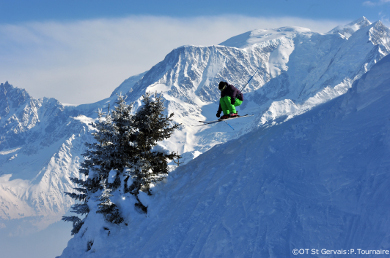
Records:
x=231, y=98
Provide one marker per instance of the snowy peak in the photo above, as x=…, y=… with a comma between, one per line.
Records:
x=250, y=38
x=346, y=31
x=380, y=35
x=359, y=23
x=20, y=114
x=11, y=97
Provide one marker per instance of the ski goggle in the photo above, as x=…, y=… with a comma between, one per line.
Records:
x=224, y=87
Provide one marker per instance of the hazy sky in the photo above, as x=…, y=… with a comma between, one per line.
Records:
x=79, y=51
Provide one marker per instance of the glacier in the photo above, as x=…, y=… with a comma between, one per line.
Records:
x=42, y=141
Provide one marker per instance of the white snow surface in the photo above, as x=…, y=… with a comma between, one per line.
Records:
x=42, y=141
x=318, y=181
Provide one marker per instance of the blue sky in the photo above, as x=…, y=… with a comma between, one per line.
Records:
x=54, y=48
x=64, y=10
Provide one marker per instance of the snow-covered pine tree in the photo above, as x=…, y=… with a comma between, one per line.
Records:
x=150, y=165
x=124, y=149
x=78, y=208
x=109, y=152
x=107, y=207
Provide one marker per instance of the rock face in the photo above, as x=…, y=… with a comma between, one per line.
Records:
x=42, y=141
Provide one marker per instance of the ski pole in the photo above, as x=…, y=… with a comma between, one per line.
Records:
x=250, y=79
x=229, y=125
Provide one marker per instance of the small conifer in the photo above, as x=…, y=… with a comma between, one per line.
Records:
x=124, y=148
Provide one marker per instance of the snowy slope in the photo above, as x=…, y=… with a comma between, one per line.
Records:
x=41, y=141
x=318, y=181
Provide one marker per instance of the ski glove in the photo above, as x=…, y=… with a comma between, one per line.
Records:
x=218, y=114
x=233, y=100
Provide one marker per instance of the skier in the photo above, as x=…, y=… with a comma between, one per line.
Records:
x=231, y=97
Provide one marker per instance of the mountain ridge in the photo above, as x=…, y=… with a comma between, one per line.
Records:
x=347, y=30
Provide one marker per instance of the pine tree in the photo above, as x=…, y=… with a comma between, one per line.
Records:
x=108, y=152
x=123, y=148
x=149, y=165
x=107, y=207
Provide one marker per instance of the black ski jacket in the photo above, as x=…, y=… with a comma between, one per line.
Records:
x=232, y=92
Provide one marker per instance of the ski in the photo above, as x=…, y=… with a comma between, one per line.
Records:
x=220, y=120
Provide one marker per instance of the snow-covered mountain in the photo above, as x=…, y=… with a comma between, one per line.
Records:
x=40, y=148
x=41, y=141
x=316, y=184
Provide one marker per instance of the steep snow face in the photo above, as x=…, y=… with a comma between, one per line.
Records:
x=346, y=31
x=318, y=181
x=41, y=141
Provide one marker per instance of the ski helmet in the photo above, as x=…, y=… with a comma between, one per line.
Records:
x=222, y=85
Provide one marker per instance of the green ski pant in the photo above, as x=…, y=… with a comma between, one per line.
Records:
x=227, y=106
